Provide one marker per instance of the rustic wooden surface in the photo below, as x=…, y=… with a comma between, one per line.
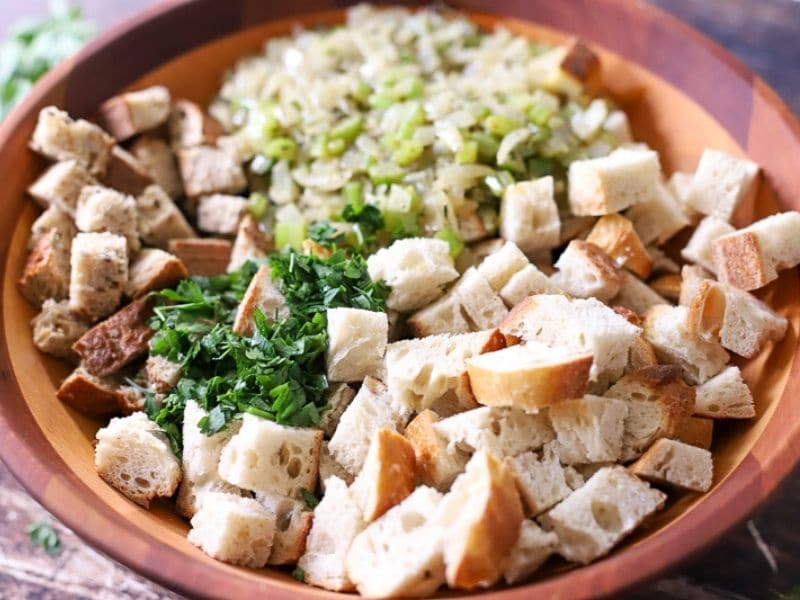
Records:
x=759, y=559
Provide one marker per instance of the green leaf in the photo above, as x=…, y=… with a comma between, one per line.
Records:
x=309, y=498
x=42, y=534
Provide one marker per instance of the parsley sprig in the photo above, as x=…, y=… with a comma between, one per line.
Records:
x=42, y=534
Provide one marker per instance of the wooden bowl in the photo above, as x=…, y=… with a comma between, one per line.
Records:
x=683, y=94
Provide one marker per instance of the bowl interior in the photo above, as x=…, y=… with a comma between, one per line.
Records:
x=663, y=116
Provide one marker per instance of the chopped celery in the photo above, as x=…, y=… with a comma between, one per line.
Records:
x=539, y=166
x=347, y=129
x=498, y=181
x=335, y=147
x=487, y=147
x=258, y=205
x=290, y=233
x=361, y=91
x=539, y=114
x=353, y=193
x=281, y=148
x=500, y=125
x=380, y=101
x=385, y=173
x=453, y=240
x=468, y=153
x=402, y=199
x=478, y=110
x=408, y=152
x=415, y=118
x=260, y=165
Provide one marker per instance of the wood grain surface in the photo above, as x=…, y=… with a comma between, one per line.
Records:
x=759, y=559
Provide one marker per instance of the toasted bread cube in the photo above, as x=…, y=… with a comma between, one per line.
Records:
x=232, y=529
x=527, y=282
x=566, y=69
x=595, y=517
x=293, y=523
x=751, y=257
x=208, y=170
x=677, y=464
x=601, y=186
x=581, y=63
x=152, y=270
x=160, y=220
x=58, y=137
x=47, y=270
x=698, y=249
x=52, y=218
x=616, y=236
x=720, y=184
x=61, y=184
x=534, y=546
x=266, y=457
x=261, y=294
x=158, y=161
x=658, y=400
x=98, y=397
x=589, y=429
x=658, y=219
x=388, y=476
x=250, y=243
x=471, y=227
x=573, y=227
x=356, y=343
x=190, y=126
x=125, y=174
x=162, y=375
x=103, y=209
x=662, y=264
x=117, y=341
x=585, y=271
x=641, y=355
x=205, y=256
x=330, y=467
x=482, y=306
x=668, y=287
x=529, y=215
x=618, y=126
x=99, y=272
x=337, y=522
x=501, y=431
x=501, y=263
x=528, y=376
x=445, y=315
x=668, y=329
x=56, y=328
x=540, y=478
x=416, y=269
x=220, y=213
x=438, y=465
x=400, y=554
x=725, y=396
x=134, y=456
x=481, y=517
x=696, y=431
x=636, y=295
x=371, y=409
x=340, y=395
x=130, y=113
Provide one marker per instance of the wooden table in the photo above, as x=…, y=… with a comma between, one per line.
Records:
x=758, y=559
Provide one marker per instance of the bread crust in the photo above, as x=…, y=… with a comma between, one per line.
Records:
x=125, y=174
x=435, y=466
x=707, y=311
x=696, y=431
x=740, y=262
x=165, y=274
x=395, y=473
x=202, y=256
x=668, y=286
x=615, y=235
x=92, y=396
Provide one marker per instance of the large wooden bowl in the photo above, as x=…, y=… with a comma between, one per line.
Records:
x=683, y=94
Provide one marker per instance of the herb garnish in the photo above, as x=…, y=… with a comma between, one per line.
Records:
x=42, y=534
x=309, y=498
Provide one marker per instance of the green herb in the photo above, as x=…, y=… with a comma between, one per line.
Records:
x=309, y=498
x=42, y=534
x=325, y=235
x=299, y=574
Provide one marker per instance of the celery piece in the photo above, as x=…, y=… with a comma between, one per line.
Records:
x=400, y=224
x=353, y=193
x=361, y=91
x=290, y=233
x=281, y=148
x=258, y=205
x=385, y=173
x=335, y=147
x=539, y=166
x=487, y=147
x=500, y=125
x=347, y=129
x=260, y=165
x=380, y=101
x=453, y=240
x=415, y=118
x=408, y=152
x=468, y=153
x=478, y=110
x=498, y=181
x=540, y=114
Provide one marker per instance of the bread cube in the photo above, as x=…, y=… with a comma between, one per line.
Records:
x=232, y=529
x=534, y=546
x=636, y=295
x=698, y=249
x=589, y=429
x=641, y=355
x=266, y=457
x=220, y=213
x=676, y=464
x=658, y=219
x=585, y=271
x=208, y=170
x=337, y=522
x=540, y=478
x=250, y=243
x=618, y=126
x=529, y=215
x=99, y=272
x=662, y=264
x=130, y=113
x=162, y=374
x=601, y=186
x=482, y=306
x=501, y=264
x=56, y=328
x=400, y=554
x=102, y=209
x=158, y=161
x=696, y=431
x=356, y=343
x=680, y=184
x=437, y=464
x=160, y=220
x=725, y=396
x=595, y=517
x=528, y=281
x=340, y=395
x=52, y=218
x=445, y=315
x=61, y=184
x=58, y=137
x=720, y=184
x=190, y=126
x=134, y=456
x=152, y=270
x=261, y=294
x=615, y=235
x=46, y=273
x=293, y=522
x=330, y=467
x=667, y=286
x=415, y=269
x=98, y=397
x=125, y=174
x=206, y=256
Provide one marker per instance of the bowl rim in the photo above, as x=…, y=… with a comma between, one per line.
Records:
x=40, y=469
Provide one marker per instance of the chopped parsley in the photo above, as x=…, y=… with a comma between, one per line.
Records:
x=42, y=534
x=309, y=498
x=299, y=574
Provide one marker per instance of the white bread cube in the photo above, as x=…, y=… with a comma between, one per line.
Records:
x=56, y=328
x=388, y=476
x=422, y=371
x=400, y=554
x=698, y=249
x=134, y=456
x=534, y=546
x=589, y=429
x=340, y=395
x=601, y=186
x=266, y=457
x=190, y=126
x=52, y=218
x=540, y=478
x=662, y=264
x=220, y=213
x=208, y=170
x=481, y=517
x=293, y=522
x=499, y=265
x=98, y=274
x=152, y=270
x=659, y=218
x=659, y=402
x=130, y=113
x=438, y=465
x=160, y=220
x=163, y=375
x=720, y=184
x=576, y=324
x=58, y=137
x=595, y=517
x=416, y=269
x=750, y=258
x=529, y=215
x=725, y=396
x=157, y=159
x=233, y=529
x=61, y=184
x=250, y=243
x=615, y=235
x=261, y=294
x=445, y=315
x=371, y=409
x=527, y=282
x=636, y=295
x=330, y=467
x=528, y=376
x=668, y=329
x=585, y=271
x=357, y=341
x=337, y=522
x=676, y=464
x=47, y=269
x=501, y=431
x=482, y=306
x=103, y=209
x=680, y=184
